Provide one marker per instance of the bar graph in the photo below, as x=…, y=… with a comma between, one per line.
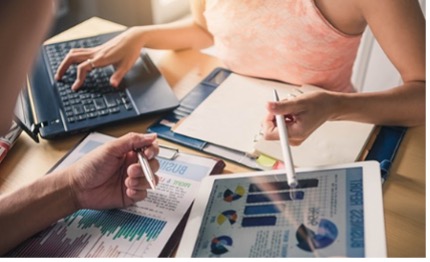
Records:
x=259, y=221
x=274, y=197
x=262, y=202
x=281, y=185
x=263, y=209
x=92, y=233
x=126, y=225
x=259, y=215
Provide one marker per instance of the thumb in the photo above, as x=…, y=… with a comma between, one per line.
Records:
x=117, y=76
x=284, y=107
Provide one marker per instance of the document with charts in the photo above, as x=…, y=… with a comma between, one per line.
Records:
x=142, y=230
x=232, y=116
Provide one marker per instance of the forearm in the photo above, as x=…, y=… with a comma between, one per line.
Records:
x=178, y=35
x=27, y=211
x=403, y=105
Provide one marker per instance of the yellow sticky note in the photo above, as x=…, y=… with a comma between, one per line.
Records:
x=266, y=161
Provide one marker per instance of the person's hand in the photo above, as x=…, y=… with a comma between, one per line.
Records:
x=303, y=114
x=110, y=175
x=121, y=51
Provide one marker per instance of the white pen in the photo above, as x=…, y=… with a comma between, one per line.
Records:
x=285, y=145
x=149, y=175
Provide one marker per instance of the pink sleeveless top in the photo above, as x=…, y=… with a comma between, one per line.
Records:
x=285, y=40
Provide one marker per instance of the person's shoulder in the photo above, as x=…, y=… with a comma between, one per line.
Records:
x=387, y=5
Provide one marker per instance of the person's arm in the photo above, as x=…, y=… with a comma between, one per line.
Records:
x=23, y=25
x=32, y=208
x=184, y=34
x=108, y=177
x=399, y=27
x=123, y=50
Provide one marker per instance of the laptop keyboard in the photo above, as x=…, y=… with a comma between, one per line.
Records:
x=96, y=98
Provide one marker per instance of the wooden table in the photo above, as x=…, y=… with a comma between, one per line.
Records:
x=404, y=192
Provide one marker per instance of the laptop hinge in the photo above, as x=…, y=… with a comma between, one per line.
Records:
x=24, y=116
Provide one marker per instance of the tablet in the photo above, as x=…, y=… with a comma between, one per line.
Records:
x=336, y=211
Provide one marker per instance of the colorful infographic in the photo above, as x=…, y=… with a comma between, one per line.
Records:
x=262, y=216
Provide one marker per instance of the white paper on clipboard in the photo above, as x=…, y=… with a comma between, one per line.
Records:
x=231, y=117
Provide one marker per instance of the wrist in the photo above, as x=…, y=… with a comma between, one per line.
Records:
x=138, y=33
x=339, y=102
x=63, y=188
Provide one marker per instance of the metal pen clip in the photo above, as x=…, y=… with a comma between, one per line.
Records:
x=149, y=175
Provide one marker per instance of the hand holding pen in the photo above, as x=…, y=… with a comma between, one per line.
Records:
x=111, y=176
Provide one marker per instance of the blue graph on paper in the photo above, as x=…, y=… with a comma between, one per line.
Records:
x=126, y=225
x=77, y=232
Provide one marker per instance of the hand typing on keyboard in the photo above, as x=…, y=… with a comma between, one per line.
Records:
x=80, y=59
x=85, y=92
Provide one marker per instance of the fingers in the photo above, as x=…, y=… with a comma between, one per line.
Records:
x=284, y=107
x=132, y=141
x=296, y=142
x=117, y=76
x=85, y=59
x=270, y=131
x=82, y=57
x=75, y=56
x=136, y=184
x=136, y=195
x=81, y=73
x=290, y=109
x=114, y=52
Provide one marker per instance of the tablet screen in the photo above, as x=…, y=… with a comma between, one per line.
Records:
x=261, y=216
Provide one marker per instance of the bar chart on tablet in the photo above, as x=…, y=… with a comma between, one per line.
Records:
x=261, y=216
x=264, y=202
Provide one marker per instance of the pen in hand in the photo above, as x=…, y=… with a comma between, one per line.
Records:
x=149, y=175
x=286, y=151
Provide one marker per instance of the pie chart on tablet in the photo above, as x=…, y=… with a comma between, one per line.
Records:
x=219, y=245
x=325, y=235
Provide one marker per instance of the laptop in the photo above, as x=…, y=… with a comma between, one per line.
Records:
x=56, y=111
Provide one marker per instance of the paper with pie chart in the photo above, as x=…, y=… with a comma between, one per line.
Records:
x=261, y=216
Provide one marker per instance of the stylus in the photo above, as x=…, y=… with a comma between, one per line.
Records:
x=149, y=175
x=286, y=151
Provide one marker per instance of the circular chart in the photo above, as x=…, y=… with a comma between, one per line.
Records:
x=228, y=215
x=219, y=244
x=230, y=196
x=308, y=240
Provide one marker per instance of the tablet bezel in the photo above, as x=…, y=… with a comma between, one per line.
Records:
x=375, y=242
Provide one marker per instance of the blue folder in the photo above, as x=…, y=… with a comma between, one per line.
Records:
x=383, y=149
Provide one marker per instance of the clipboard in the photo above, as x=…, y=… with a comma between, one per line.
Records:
x=187, y=105
x=383, y=149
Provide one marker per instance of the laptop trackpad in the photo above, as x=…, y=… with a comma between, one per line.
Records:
x=149, y=90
